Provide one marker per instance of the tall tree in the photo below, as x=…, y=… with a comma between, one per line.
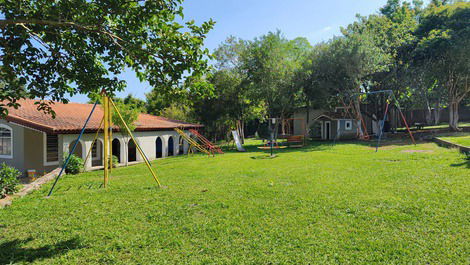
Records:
x=52, y=49
x=443, y=45
x=271, y=66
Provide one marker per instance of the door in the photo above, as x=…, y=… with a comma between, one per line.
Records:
x=327, y=130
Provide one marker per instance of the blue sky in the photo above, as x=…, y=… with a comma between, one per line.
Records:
x=317, y=20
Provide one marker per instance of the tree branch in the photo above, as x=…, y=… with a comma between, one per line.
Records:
x=8, y=22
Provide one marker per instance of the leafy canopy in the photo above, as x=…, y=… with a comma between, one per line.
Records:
x=52, y=49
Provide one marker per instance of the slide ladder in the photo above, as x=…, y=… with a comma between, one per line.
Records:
x=207, y=144
x=192, y=142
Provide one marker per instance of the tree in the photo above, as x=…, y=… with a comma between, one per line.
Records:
x=233, y=101
x=345, y=67
x=51, y=49
x=443, y=45
x=178, y=112
x=271, y=64
x=155, y=103
x=134, y=102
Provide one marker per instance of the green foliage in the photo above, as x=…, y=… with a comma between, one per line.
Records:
x=75, y=164
x=64, y=47
x=129, y=113
x=156, y=102
x=177, y=112
x=8, y=180
x=114, y=161
x=271, y=65
x=321, y=204
x=443, y=49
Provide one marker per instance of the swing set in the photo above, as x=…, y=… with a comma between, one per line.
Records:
x=362, y=130
x=107, y=124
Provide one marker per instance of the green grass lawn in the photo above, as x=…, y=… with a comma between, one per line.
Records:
x=461, y=139
x=440, y=126
x=318, y=204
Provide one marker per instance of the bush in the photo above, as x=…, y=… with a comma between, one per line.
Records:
x=115, y=161
x=74, y=166
x=8, y=180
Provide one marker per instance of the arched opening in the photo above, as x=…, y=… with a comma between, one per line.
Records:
x=181, y=145
x=158, y=148
x=116, y=145
x=131, y=151
x=96, y=154
x=78, y=150
x=171, y=146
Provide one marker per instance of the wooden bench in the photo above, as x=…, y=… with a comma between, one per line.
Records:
x=295, y=141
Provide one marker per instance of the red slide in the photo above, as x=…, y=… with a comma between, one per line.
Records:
x=206, y=143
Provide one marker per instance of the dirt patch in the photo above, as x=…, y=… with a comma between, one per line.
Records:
x=418, y=151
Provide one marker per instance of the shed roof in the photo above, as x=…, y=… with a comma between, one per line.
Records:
x=334, y=116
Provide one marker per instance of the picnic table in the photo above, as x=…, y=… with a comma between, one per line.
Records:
x=419, y=125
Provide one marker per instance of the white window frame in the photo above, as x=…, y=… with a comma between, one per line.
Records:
x=10, y=156
x=50, y=163
x=346, y=127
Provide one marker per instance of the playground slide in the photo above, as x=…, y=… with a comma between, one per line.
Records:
x=238, y=142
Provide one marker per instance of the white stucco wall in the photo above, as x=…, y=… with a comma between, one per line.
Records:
x=146, y=140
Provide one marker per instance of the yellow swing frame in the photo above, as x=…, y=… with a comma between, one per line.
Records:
x=108, y=105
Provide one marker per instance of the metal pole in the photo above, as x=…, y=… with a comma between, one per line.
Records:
x=382, y=128
x=106, y=140
x=73, y=149
x=147, y=162
x=93, y=143
x=272, y=138
x=110, y=137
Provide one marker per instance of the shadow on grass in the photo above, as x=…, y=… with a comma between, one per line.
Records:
x=268, y=156
x=318, y=146
x=465, y=163
x=12, y=252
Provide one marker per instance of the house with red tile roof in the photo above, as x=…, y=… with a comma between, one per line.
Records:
x=33, y=140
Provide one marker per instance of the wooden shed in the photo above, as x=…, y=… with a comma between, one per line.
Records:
x=336, y=126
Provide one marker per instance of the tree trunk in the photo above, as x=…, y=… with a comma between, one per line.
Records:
x=454, y=116
x=306, y=131
x=357, y=110
x=437, y=113
x=428, y=113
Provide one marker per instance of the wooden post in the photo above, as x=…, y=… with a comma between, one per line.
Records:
x=106, y=140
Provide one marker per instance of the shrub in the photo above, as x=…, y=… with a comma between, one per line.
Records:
x=115, y=161
x=74, y=166
x=8, y=180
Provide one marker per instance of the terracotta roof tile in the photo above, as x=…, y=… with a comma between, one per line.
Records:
x=71, y=117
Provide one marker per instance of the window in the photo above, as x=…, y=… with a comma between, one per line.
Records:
x=348, y=125
x=6, y=142
x=96, y=150
x=52, y=148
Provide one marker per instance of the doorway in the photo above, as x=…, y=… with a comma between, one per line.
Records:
x=327, y=130
x=159, y=147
